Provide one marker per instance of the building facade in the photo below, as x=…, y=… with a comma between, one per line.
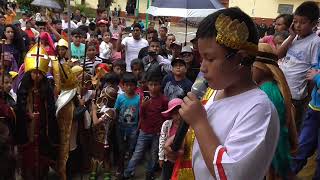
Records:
x=264, y=11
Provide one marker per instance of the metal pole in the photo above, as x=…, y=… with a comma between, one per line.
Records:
x=69, y=28
x=147, y=15
x=137, y=7
x=185, y=39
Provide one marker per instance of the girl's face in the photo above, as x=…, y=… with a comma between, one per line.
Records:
x=220, y=72
x=62, y=51
x=280, y=25
x=9, y=33
x=106, y=37
x=175, y=115
x=36, y=75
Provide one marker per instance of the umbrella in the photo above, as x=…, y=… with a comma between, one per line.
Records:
x=47, y=4
x=184, y=8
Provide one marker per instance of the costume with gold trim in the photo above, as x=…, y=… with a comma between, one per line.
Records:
x=66, y=82
x=36, y=125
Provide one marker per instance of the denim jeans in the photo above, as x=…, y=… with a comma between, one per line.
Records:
x=309, y=141
x=126, y=143
x=145, y=142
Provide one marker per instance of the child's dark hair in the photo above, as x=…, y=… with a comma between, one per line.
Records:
x=164, y=28
x=207, y=27
x=92, y=26
x=107, y=32
x=154, y=40
x=120, y=63
x=154, y=77
x=128, y=77
x=57, y=21
x=288, y=18
x=112, y=78
x=308, y=9
x=77, y=32
x=137, y=25
x=84, y=28
x=137, y=62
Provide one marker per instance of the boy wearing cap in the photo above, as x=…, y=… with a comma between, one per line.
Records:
x=176, y=85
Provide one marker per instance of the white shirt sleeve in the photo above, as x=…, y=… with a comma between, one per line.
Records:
x=124, y=41
x=252, y=138
x=163, y=137
x=314, y=52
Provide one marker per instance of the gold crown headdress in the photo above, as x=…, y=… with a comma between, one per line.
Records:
x=233, y=34
x=30, y=59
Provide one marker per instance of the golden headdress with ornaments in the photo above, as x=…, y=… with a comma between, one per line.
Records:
x=234, y=34
x=31, y=62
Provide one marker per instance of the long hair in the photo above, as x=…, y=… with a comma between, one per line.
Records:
x=48, y=123
x=17, y=41
x=280, y=79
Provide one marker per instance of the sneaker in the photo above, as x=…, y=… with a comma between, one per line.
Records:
x=150, y=176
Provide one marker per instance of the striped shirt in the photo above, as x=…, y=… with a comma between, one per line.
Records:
x=90, y=64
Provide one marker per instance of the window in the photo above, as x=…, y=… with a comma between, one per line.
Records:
x=285, y=8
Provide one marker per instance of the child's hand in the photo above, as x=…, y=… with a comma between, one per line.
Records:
x=161, y=163
x=170, y=154
x=94, y=106
x=81, y=100
x=312, y=73
x=292, y=31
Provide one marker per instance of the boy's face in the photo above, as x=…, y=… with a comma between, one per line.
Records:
x=162, y=32
x=154, y=88
x=179, y=69
x=7, y=84
x=91, y=52
x=118, y=70
x=154, y=47
x=129, y=88
x=136, y=33
x=219, y=72
x=136, y=70
x=302, y=25
x=170, y=40
x=115, y=22
x=149, y=37
x=58, y=26
x=76, y=39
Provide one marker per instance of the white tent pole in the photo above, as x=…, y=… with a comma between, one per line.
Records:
x=69, y=27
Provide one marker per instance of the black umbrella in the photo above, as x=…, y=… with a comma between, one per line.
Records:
x=184, y=8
